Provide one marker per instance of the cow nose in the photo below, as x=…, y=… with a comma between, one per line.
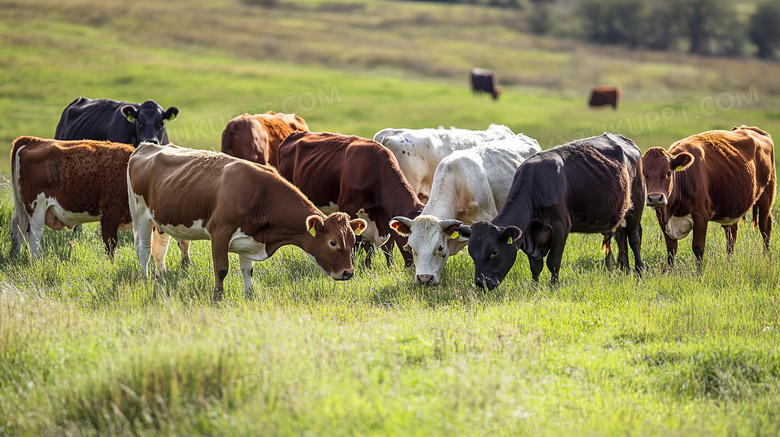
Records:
x=153, y=141
x=425, y=279
x=483, y=282
x=347, y=274
x=656, y=200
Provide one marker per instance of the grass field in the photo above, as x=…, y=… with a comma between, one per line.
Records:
x=87, y=347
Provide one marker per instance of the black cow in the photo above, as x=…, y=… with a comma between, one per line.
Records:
x=593, y=185
x=111, y=120
x=484, y=81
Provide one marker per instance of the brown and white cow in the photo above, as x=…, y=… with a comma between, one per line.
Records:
x=713, y=176
x=257, y=137
x=242, y=207
x=62, y=184
x=354, y=175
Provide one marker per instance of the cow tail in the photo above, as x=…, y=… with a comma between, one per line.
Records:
x=755, y=215
x=20, y=222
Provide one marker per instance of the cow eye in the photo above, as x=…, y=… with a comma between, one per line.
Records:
x=669, y=174
x=332, y=243
x=494, y=253
x=441, y=248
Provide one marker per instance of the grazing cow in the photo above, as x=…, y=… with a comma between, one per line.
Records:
x=484, y=81
x=242, y=207
x=593, y=185
x=712, y=176
x=110, y=120
x=65, y=183
x=605, y=95
x=354, y=175
x=468, y=186
x=257, y=137
x=419, y=151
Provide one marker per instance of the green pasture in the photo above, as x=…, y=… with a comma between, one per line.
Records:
x=87, y=347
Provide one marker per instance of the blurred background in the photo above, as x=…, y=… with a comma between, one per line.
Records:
x=683, y=66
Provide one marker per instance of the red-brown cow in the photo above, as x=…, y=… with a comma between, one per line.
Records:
x=65, y=183
x=712, y=176
x=257, y=137
x=242, y=207
x=354, y=175
x=605, y=95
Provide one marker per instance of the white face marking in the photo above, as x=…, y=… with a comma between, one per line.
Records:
x=246, y=246
x=679, y=227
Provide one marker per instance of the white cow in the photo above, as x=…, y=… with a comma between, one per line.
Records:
x=419, y=151
x=469, y=185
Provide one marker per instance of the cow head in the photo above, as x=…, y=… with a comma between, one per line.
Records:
x=244, y=137
x=658, y=167
x=330, y=242
x=493, y=249
x=431, y=242
x=149, y=121
x=496, y=92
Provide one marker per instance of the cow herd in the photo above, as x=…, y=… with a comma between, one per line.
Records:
x=430, y=192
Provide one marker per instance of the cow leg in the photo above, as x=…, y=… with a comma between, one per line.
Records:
x=110, y=233
x=142, y=239
x=184, y=247
x=764, y=219
x=369, y=249
x=159, y=248
x=699, y=236
x=17, y=234
x=536, y=264
x=37, y=222
x=731, y=237
x=557, y=244
x=219, y=255
x=634, y=235
x=246, y=265
x=671, y=243
x=606, y=246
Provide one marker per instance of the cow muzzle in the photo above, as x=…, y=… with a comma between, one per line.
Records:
x=152, y=140
x=483, y=282
x=656, y=200
x=344, y=276
x=427, y=280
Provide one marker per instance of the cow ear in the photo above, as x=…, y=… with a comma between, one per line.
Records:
x=171, y=113
x=681, y=161
x=358, y=226
x=312, y=223
x=511, y=235
x=462, y=231
x=130, y=112
x=401, y=225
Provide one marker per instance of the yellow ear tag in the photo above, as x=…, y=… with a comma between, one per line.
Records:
x=454, y=235
x=510, y=240
x=679, y=167
x=313, y=231
x=130, y=118
x=358, y=231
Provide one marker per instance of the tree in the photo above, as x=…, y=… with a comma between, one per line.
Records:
x=764, y=28
x=614, y=21
x=703, y=21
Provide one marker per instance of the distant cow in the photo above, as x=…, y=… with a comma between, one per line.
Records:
x=65, y=183
x=484, y=81
x=712, y=176
x=111, y=120
x=354, y=175
x=257, y=137
x=593, y=185
x=242, y=207
x=469, y=185
x=605, y=95
x=419, y=151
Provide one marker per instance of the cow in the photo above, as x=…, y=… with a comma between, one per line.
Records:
x=469, y=185
x=605, y=95
x=65, y=183
x=257, y=137
x=111, y=120
x=419, y=151
x=353, y=175
x=593, y=185
x=242, y=207
x=484, y=81
x=715, y=176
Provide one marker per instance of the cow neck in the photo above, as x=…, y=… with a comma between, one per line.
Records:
x=289, y=227
x=396, y=195
x=516, y=211
x=676, y=206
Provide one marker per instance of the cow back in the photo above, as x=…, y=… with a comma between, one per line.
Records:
x=95, y=119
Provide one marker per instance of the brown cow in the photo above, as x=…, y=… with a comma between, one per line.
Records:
x=605, y=95
x=65, y=183
x=242, y=207
x=257, y=137
x=712, y=176
x=354, y=175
